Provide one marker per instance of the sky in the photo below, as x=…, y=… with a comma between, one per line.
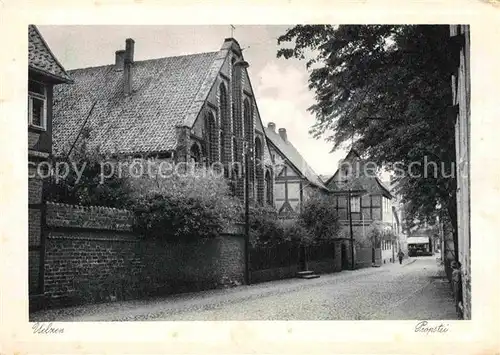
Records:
x=280, y=85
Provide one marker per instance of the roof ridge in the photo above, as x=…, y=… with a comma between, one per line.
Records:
x=163, y=87
x=142, y=61
x=304, y=161
x=207, y=76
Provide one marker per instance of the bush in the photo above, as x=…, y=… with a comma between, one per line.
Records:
x=88, y=189
x=188, y=206
x=377, y=232
x=297, y=233
x=320, y=217
x=265, y=228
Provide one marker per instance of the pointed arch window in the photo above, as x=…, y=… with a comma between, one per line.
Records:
x=248, y=119
x=258, y=150
x=236, y=99
x=235, y=150
x=211, y=138
x=225, y=122
x=259, y=171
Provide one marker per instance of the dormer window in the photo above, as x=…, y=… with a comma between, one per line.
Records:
x=346, y=172
x=37, y=104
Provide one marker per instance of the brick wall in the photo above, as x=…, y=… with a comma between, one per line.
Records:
x=363, y=257
x=62, y=215
x=35, y=222
x=35, y=188
x=92, y=256
x=331, y=262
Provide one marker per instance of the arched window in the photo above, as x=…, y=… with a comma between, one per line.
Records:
x=269, y=189
x=236, y=99
x=195, y=152
x=222, y=139
x=235, y=150
x=225, y=122
x=258, y=151
x=248, y=120
x=211, y=138
x=259, y=171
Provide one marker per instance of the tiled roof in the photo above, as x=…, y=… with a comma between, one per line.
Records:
x=293, y=155
x=167, y=92
x=371, y=184
x=41, y=59
x=325, y=178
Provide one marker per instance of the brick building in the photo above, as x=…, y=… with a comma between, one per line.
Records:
x=295, y=180
x=44, y=72
x=198, y=107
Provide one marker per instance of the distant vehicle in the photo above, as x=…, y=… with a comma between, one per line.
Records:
x=419, y=246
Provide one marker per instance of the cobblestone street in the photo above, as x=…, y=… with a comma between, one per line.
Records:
x=415, y=290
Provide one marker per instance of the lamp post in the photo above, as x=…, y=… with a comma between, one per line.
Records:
x=351, y=234
x=360, y=193
x=247, y=151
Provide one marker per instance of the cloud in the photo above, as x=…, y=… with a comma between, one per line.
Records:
x=283, y=98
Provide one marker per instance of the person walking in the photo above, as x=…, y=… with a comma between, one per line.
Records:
x=401, y=256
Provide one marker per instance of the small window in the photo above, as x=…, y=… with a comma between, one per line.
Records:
x=355, y=204
x=37, y=105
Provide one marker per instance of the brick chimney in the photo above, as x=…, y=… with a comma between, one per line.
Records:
x=272, y=126
x=282, y=132
x=127, y=68
x=119, y=60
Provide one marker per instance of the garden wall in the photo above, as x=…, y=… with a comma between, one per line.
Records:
x=273, y=262
x=282, y=261
x=92, y=255
x=325, y=257
x=364, y=257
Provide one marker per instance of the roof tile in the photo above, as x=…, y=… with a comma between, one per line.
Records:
x=293, y=155
x=41, y=58
x=163, y=92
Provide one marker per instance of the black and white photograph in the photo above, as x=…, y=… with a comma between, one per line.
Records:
x=247, y=177
x=249, y=172
x=244, y=172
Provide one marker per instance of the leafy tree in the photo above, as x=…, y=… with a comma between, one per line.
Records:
x=265, y=228
x=295, y=231
x=183, y=206
x=375, y=234
x=386, y=88
x=320, y=217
